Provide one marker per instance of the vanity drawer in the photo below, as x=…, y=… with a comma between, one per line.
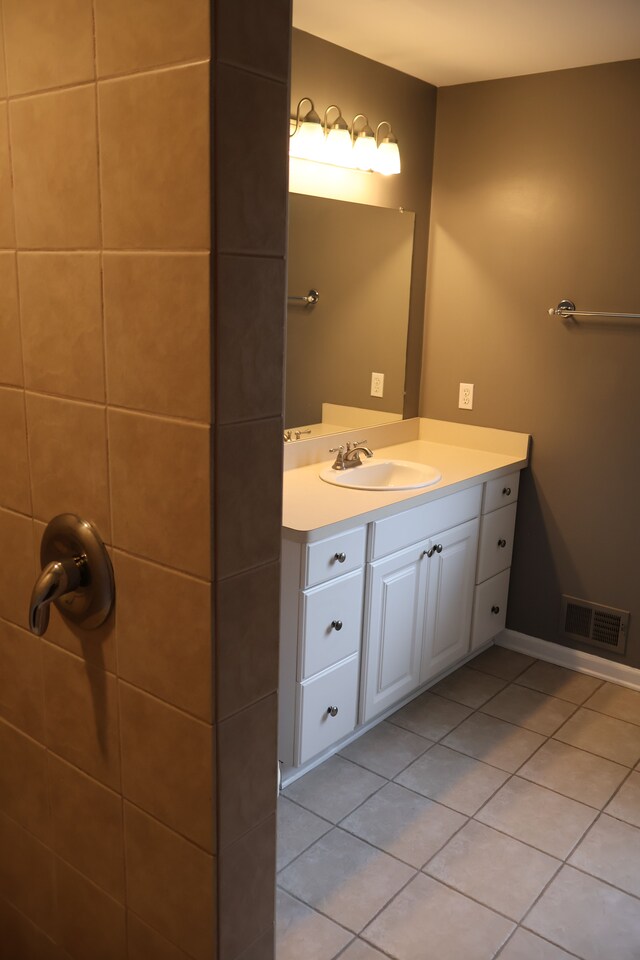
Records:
x=400, y=531
x=500, y=492
x=335, y=556
x=490, y=609
x=496, y=542
x=331, y=617
x=335, y=689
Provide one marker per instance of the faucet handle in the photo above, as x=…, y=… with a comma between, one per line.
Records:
x=359, y=443
x=336, y=449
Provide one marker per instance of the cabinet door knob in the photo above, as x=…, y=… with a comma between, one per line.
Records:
x=438, y=548
x=502, y=543
x=336, y=624
x=427, y=553
x=332, y=711
x=506, y=492
x=495, y=609
x=340, y=557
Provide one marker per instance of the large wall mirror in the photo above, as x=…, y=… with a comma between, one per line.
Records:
x=358, y=257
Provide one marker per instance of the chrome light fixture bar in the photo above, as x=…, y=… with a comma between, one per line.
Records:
x=334, y=142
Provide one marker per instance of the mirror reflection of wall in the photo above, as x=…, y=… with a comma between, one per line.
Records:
x=359, y=259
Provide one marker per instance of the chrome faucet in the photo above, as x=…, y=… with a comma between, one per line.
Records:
x=344, y=461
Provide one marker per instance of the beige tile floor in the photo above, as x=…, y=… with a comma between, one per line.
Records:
x=498, y=815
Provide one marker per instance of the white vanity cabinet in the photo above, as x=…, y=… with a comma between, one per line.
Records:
x=380, y=609
x=419, y=599
x=497, y=527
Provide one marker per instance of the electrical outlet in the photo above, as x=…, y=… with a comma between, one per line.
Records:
x=377, y=384
x=465, y=396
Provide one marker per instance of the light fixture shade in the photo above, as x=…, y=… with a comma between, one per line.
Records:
x=388, y=157
x=338, y=148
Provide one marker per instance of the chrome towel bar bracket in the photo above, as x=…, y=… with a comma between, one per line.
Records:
x=310, y=300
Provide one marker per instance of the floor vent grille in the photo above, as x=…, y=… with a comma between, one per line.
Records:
x=593, y=624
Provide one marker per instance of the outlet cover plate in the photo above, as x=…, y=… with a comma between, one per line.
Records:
x=377, y=384
x=465, y=396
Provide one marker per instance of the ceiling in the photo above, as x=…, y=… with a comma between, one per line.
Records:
x=447, y=42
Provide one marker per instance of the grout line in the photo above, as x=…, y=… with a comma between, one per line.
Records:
x=540, y=936
x=298, y=899
x=115, y=251
x=107, y=78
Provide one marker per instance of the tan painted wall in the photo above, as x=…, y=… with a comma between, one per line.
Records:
x=536, y=197
x=330, y=74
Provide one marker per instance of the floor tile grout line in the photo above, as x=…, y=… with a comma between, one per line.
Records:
x=615, y=794
x=469, y=896
x=309, y=906
x=362, y=766
x=569, y=953
x=394, y=856
x=557, y=696
x=494, y=646
x=595, y=876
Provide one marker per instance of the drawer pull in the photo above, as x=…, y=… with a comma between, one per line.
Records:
x=506, y=492
x=336, y=624
x=438, y=548
x=332, y=711
x=495, y=609
x=340, y=557
x=502, y=543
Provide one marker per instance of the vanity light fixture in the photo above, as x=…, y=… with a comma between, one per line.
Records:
x=335, y=142
x=387, y=155
x=307, y=139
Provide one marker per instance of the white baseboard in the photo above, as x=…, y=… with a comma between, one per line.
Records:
x=573, y=659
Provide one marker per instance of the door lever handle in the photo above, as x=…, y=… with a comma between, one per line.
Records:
x=58, y=578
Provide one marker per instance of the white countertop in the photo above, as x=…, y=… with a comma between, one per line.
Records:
x=310, y=505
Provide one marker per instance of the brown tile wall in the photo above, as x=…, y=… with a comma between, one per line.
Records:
x=251, y=78
x=107, y=739
x=134, y=793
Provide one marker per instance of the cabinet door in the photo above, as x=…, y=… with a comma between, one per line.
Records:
x=395, y=622
x=450, y=598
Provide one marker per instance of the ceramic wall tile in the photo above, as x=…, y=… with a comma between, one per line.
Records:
x=157, y=332
x=150, y=33
x=55, y=174
x=154, y=191
x=48, y=45
x=61, y=316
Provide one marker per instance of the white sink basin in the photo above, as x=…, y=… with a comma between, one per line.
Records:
x=383, y=475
